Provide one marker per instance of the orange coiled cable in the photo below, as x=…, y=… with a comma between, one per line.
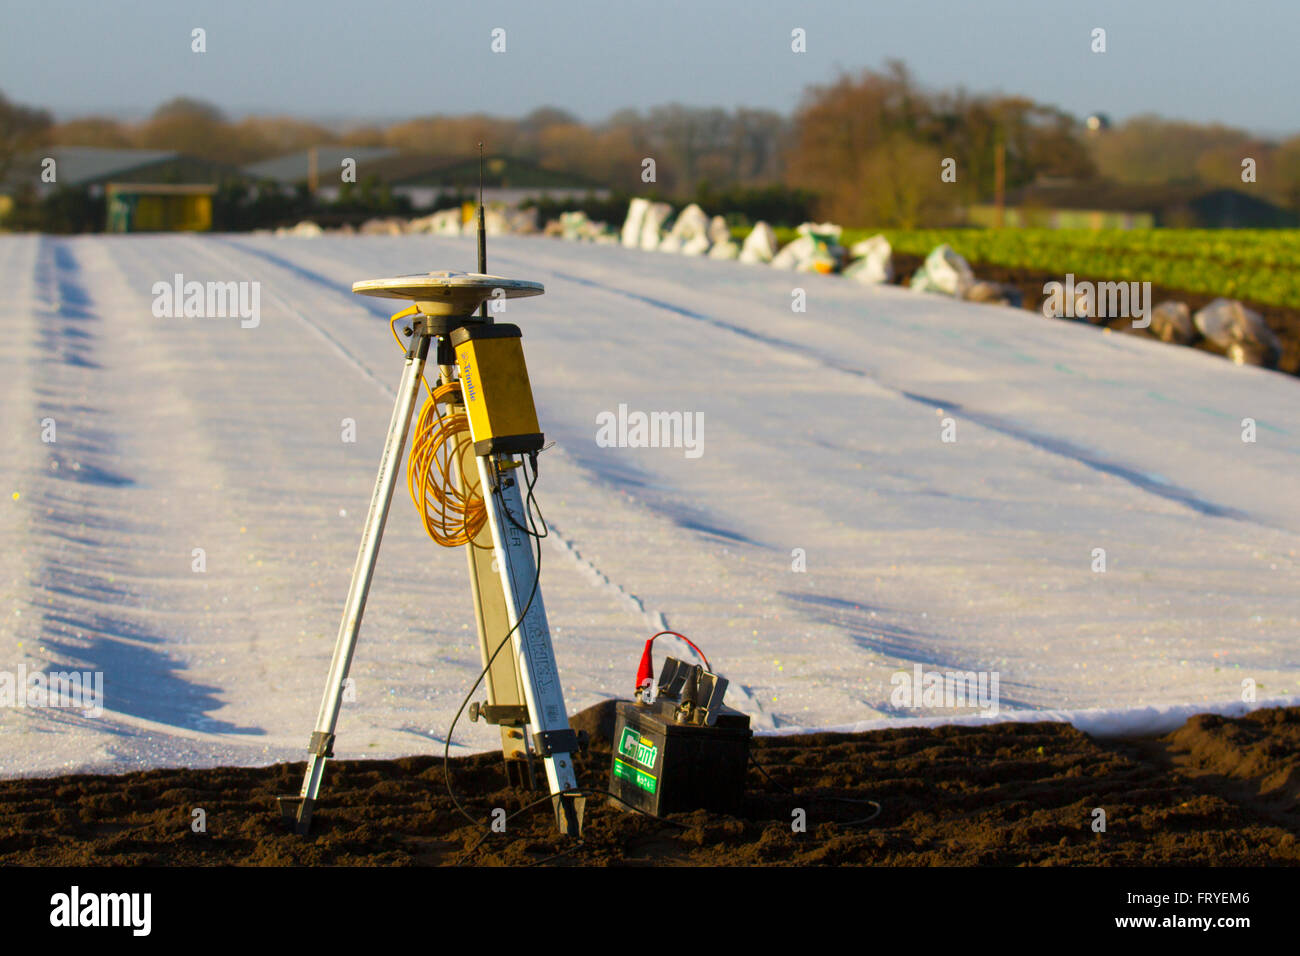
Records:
x=440, y=449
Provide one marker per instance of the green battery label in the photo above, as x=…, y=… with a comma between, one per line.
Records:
x=637, y=748
x=634, y=775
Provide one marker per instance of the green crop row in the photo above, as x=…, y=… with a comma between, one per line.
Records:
x=1259, y=265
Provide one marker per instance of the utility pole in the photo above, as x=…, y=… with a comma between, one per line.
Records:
x=313, y=171
x=999, y=183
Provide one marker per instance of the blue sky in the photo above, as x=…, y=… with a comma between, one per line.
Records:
x=1236, y=63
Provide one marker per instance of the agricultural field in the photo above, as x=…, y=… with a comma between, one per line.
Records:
x=822, y=431
x=817, y=533
x=1193, y=266
x=1257, y=265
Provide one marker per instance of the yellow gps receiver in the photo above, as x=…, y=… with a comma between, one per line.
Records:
x=494, y=382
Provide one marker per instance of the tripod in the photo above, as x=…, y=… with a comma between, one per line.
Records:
x=524, y=689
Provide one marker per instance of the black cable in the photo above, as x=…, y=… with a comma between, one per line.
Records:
x=570, y=792
x=530, y=503
x=555, y=856
x=854, y=800
x=855, y=823
x=488, y=832
x=759, y=767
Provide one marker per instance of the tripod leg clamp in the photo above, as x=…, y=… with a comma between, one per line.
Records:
x=321, y=745
x=550, y=742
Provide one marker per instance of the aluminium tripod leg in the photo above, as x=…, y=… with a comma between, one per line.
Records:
x=298, y=809
x=554, y=740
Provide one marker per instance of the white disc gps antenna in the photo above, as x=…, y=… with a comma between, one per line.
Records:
x=453, y=294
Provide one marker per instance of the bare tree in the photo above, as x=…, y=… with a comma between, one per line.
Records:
x=22, y=129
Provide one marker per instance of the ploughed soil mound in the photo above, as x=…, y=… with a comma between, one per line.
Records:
x=1216, y=791
x=1285, y=322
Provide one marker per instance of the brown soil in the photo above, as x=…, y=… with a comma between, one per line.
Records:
x=1217, y=791
x=1284, y=322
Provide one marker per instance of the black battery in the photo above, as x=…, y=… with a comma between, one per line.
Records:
x=662, y=765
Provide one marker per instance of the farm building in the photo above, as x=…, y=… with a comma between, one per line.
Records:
x=422, y=178
x=159, y=207
x=315, y=167
x=155, y=189
x=92, y=168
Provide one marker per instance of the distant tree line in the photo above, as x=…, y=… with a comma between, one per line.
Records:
x=864, y=149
